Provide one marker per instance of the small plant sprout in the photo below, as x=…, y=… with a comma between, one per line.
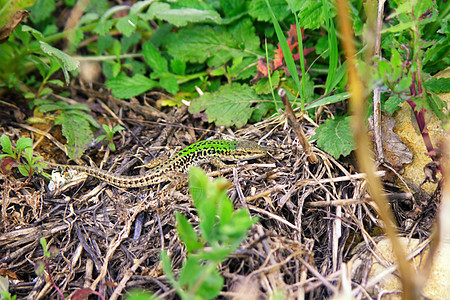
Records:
x=12, y=158
x=110, y=135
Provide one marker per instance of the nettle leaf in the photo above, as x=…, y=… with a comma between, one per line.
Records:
x=335, y=136
x=244, y=33
x=66, y=62
x=154, y=58
x=127, y=24
x=264, y=86
x=258, y=10
x=441, y=85
x=181, y=16
x=41, y=10
x=123, y=86
x=103, y=27
x=230, y=105
x=311, y=14
x=169, y=82
x=200, y=44
x=392, y=104
x=77, y=132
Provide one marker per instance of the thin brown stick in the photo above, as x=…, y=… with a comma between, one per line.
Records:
x=376, y=91
x=297, y=128
x=358, y=105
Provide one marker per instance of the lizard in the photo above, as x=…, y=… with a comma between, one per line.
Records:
x=207, y=151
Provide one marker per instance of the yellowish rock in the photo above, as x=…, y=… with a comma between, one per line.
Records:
x=406, y=128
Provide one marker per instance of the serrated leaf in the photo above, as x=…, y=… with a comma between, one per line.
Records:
x=438, y=85
x=85, y=116
x=104, y=27
x=391, y=104
x=154, y=58
x=69, y=62
x=66, y=62
x=230, y=105
x=182, y=16
x=244, y=33
x=335, y=136
x=41, y=10
x=198, y=44
x=258, y=10
x=127, y=24
x=403, y=84
x=123, y=86
x=264, y=86
x=311, y=14
x=77, y=132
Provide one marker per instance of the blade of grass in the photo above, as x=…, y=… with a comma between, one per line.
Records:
x=300, y=52
x=269, y=76
x=289, y=59
x=333, y=49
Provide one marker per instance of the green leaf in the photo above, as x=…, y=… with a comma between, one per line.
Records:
x=123, y=86
x=25, y=170
x=258, y=10
x=204, y=278
x=264, y=87
x=41, y=10
x=311, y=14
x=233, y=8
x=243, y=33
x=335, y=136
x=438, y=106
x=438, y=85
x=77, y=132
x=211, y=286
x=400, y=27
x=154, y=58
x=200, y=44
x=392, y=104
x=396, y=64
x=66, y=62
x=403, y=84
x=127, y=24
x=236, y=229
x=103, y=27
x=199, y=187
x=167, y=268
x=22, y=144
x=6, y=144
x=169, y=83
x=182, y=16
x=230, y=105
x=187, y=233
x=178, y=66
